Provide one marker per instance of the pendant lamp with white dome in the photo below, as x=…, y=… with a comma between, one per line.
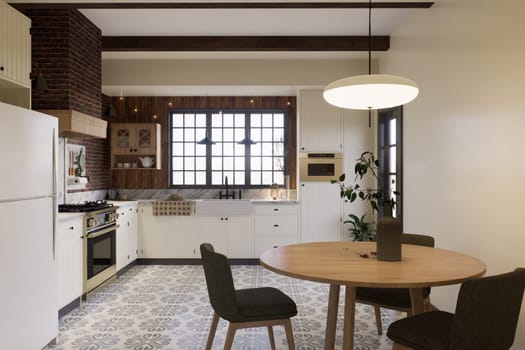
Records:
x=372, y=91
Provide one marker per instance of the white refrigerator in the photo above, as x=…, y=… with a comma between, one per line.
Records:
x=28, y=278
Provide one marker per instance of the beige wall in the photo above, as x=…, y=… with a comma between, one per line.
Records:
x=224, y=72
x=464, y=134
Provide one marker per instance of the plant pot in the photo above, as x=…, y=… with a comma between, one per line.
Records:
x=388, y=239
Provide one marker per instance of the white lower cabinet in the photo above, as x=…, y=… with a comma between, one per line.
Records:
x=236, y=236
x=165, y=237
x=69, y=258
x=127, y=234
x=275, y=225
x=229, y=235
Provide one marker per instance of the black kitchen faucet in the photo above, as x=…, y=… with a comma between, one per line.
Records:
x=227, y=194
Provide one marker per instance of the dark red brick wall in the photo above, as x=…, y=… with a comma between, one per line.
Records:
x=66, y=47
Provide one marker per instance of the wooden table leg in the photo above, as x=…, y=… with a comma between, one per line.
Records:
x=331, y=317
x=417, y=298
x=349, y=318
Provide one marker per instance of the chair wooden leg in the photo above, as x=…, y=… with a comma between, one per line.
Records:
x=379, y=325
x=229, y=336
x=213, y=328
x=396, y=346
x=289, y=334
x=272, y=339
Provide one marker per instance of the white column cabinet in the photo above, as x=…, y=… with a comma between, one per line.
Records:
x=15, y=46
x=69, y=257
x=321, y=212
x=126, y=234
x=275, y=225
x=15, y=57
x=321, y=124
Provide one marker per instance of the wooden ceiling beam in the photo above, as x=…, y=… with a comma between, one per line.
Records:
x=229, y=5
x=244, y=43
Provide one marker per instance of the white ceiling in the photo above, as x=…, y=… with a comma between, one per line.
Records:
x=122, y=22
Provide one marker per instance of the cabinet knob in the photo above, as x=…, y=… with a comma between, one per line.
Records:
x=275, y=209
x=275, y=225
x=226, y=219
x=275, y=246
x=2, y=68
x=72, y=227
x=222, y=219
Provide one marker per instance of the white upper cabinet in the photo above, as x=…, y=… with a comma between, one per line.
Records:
x=320, y=123
x=15, y=47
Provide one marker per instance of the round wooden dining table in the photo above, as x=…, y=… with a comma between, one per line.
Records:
x=353, y=264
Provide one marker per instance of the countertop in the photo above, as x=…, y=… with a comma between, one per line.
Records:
x=254, y=200
x=67, y=216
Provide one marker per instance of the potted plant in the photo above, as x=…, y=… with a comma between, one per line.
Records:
x=360, y=229
x=388, y=231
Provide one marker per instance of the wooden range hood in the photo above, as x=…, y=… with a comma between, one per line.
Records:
x=74, y=124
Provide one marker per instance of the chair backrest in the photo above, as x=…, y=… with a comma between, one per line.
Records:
x=412, y=238
x=487, y=312
x=219, y=280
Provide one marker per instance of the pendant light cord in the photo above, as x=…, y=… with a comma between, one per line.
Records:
x=369, y=37
x=369, y=53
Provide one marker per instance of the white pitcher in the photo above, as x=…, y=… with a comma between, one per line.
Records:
x=147, y=162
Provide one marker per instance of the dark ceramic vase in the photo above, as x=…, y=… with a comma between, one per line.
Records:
x=388, y=239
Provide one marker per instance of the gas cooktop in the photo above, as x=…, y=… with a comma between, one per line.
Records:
x=84, y=207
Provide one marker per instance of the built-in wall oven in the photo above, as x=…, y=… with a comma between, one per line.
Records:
x=99, y=242
x=320, y=166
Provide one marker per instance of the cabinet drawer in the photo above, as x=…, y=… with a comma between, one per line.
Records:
x=70, y=226
x=278, y=225
x=276, y=209
x=268, y=242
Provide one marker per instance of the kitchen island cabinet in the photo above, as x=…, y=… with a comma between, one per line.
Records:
x=69, y=258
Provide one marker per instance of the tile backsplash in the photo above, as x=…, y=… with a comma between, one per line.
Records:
x=133, y=194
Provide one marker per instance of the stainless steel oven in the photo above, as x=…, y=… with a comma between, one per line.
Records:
x=99, y=247
x=99, y=241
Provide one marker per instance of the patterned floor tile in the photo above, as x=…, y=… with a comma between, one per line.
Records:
x=166, y=307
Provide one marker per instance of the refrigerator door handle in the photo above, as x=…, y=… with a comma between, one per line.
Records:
x=55, y=206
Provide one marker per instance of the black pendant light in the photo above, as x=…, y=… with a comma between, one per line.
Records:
x=39, y=82
x=247, y=141
x=206, y=140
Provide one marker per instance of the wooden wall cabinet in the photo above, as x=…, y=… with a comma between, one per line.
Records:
x=132, y=141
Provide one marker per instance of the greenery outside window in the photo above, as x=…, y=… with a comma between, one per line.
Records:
x=390, y=156
x=245, y=164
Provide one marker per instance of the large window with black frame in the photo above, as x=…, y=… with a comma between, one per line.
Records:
x=390, y=156
x=246, y=147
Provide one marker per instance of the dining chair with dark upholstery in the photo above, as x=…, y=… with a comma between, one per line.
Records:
x=486, y=317
x=243, y=308
x=395, y=298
